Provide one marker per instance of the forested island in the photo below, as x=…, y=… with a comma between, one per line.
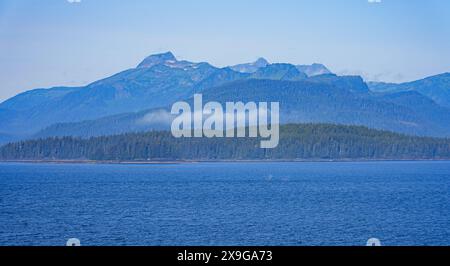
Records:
x=297, y=142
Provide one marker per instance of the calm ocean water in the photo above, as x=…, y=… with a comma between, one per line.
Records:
x=401, y=203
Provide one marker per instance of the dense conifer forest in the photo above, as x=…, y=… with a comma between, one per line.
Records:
x=297, y=142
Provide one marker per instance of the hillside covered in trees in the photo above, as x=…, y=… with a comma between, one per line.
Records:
x=297, y=142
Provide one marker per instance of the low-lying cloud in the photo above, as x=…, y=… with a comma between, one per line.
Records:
x=157, y=117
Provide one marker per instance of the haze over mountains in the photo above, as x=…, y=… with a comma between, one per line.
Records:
x=138, y=99
x=436, y=88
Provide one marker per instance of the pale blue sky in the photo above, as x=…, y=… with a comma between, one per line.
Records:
x=45, y=43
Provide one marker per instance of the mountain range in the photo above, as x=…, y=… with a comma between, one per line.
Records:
x=436, y=88
x=138, y=99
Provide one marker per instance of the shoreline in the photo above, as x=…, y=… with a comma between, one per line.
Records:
x=167, y=162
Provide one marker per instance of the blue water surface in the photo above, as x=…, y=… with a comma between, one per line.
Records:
x=304, y=203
